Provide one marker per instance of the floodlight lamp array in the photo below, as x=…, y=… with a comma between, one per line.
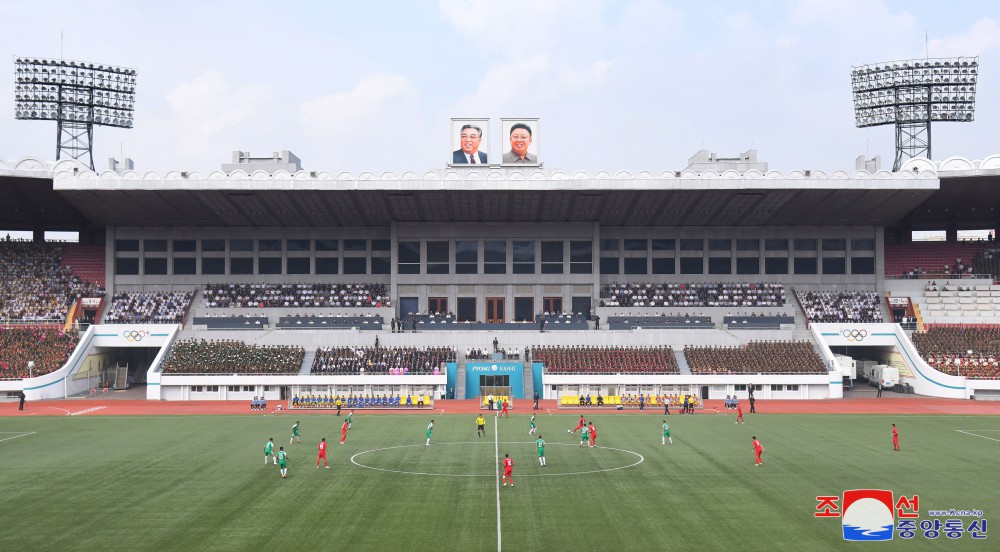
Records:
x=72, y=91
x=913, y=91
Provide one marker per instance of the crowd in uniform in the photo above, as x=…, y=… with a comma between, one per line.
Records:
x=264, y=295
x=48, y=348
x=381, y=360
x=770, y=357
x=971, y=351
x=228, y=356
x=711, y=294
x=579, y=359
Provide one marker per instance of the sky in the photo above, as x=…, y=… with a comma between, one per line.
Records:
x=616, y=85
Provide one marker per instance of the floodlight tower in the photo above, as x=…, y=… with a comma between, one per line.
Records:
x=912, y=93
x=77, y=95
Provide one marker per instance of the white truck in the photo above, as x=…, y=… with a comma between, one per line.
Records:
x=884, y=375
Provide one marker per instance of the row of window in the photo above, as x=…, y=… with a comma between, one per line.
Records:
x=269, y=245
x=468, y=250
x=161, y=266
x=726, y=244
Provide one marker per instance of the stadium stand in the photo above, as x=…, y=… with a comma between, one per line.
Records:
x=756, y=357
x=711, y=294
x=86, y=261
x=199, y=356
x=264, y=295
x=934, y=259
x=660, y=321
x=36, y=288
x=841, y=306
x=957, y=300
x=382, y=360
x=233, y=322
x=606, y=360
x=970, y=351
x=47, y=348
x=148, y=307
x=757, y=322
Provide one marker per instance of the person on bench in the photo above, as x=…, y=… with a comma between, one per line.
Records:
x=600, y=400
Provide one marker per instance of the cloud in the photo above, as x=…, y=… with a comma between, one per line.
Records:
x=983, y=36
x=209, y=104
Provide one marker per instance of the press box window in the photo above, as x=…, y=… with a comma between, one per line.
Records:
x=524, y=257
x=552, y=257
x=438, y=254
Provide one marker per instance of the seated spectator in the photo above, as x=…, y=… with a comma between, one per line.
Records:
x=194, y=356
x=148, y=307
x=36, y=286
x=971, y=351
x=579, y=359
x=48, y=348
x=786, y=357
x=841, y=306
x=384, y=360
x=711, y=294
x=269, y=295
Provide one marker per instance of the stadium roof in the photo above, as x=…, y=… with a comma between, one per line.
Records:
x=925, y=194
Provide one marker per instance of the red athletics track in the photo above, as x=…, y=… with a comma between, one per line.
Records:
x=118, y=407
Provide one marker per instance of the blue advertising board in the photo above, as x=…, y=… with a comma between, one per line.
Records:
x=473, y=370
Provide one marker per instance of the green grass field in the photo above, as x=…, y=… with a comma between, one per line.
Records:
x=199, y=483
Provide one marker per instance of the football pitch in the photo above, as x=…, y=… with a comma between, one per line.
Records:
x=200, y=482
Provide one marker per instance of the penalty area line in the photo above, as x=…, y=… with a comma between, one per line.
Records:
x=16, y=436
x=980, y=436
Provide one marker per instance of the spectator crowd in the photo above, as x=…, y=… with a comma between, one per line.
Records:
x=580, y=359
x=841, y=306
x=711, y=294
x=228, y=356
x=35, y=287
x=381, y=360
x=148, y=307
x=970, y=351
x=763, y=357
x=260, y=295
x=47, y=348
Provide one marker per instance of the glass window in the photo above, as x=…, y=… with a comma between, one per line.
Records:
x=863, y=245
x=495, y=268
x=185, y=265
x=609, y=245
x=835, y=266
x=524, y=251
x=776, y=265
x=438, y=252
x=581, y=251
x=747, y=265
x=748, y=245
x=327, y=265
x=552, y=251
x=185, y=246
x=213, y=245
x=355, y=245
x=466, y=251
x=692, y=245
x=355, y=265
x=805, y=245
x=126, y=245
x=635, y=245
x=213, y=265
x=299, y=265
x=720, y=265
x=834, y=245
x=241, y=265
x=805, y=265
x=381, y=265
x=636, y=265
x=466, y=268
x=862, y=265
x=241, y=245
x=776, y=245
x=581, y=268
x=269, y=245
x=297, y=245
x=664, y=245
x=720, y=245
x=269, y=265
x=126, y=267
x=381, y=245
x=663, y=265
x=154, y=267
x=159, y=246
x=692, y=265
x=495, y=251
x=609, y=265
x=524, y=268
x=327, y=245
x=408, y=269
x=408, y=252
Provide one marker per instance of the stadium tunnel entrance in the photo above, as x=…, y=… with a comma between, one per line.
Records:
x=116, y=368
x=864, y=359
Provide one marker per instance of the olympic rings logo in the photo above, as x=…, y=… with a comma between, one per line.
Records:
x=855, y=335
x=134, y=335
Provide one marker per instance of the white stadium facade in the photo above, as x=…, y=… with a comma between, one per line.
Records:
x=498, y=248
